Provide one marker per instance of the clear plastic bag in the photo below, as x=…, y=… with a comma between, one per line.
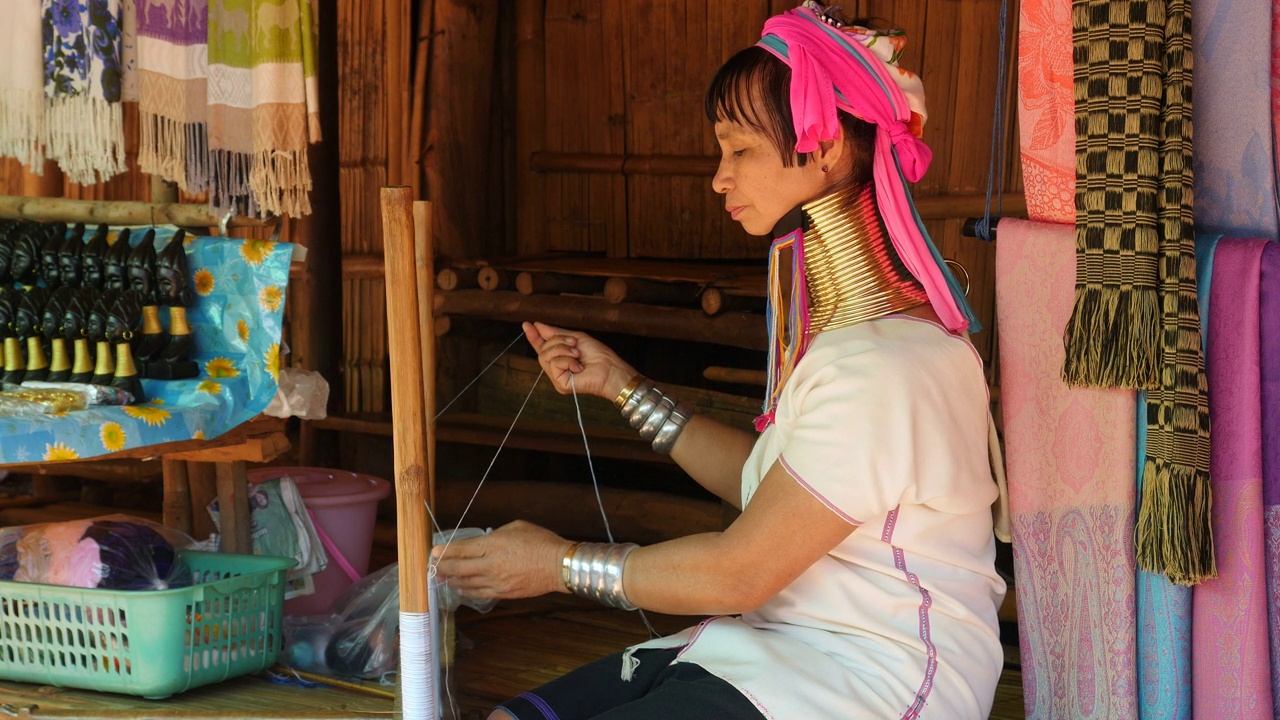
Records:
x=114, y=552
x=358, y=636
x=300, y=393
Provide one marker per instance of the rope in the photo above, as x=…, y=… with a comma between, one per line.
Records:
x=983, y=228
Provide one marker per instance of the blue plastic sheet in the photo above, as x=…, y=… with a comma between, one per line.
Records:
x=239, y=288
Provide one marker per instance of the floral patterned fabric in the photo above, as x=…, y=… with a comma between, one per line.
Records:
x=1231, y=656
x=1071, y=459
x=1046, y=110
x=236, y=322
x=83, y=81
x=1235, y=169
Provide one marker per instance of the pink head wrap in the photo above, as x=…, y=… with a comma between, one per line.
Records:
x=855, y=69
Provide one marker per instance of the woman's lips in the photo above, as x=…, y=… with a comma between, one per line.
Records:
x=735, y=210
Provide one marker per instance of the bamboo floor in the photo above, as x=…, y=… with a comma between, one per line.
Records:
x=517, y=646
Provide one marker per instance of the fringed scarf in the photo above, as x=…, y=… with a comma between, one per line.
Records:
x=82, y=84
x=22, y=85
x=1136, y=321
x=172, y=48
x=843, y=270
x=261, y=105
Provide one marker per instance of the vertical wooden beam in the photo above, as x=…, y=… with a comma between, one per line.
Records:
x=424, y=257
x=458, y=124
x=316, y=323
x=202, y=481
x=531, y=120
x=233, y=507
x=177, y=495
x=398, y=28
x=413, y=533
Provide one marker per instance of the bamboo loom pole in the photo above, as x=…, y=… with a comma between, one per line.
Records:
x=424, y=255
x=117, y=212
x=413, y=534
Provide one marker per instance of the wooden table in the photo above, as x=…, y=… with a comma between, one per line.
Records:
x=191, y=469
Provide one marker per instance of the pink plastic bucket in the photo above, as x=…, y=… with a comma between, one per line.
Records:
x=345, y=506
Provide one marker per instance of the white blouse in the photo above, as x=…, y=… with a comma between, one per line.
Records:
x=885, y=422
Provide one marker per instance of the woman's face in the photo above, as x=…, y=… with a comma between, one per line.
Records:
x=758, y=189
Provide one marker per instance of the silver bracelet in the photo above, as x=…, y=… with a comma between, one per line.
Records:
x=671, y=428
x=595, y=572
x=645, y=407
x=635, y=396
x=652, y=424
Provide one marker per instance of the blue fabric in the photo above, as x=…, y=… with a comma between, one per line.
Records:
x=236, y=320
x=1164, y=609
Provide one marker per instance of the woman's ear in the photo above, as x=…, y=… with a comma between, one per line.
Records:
x=830, y=152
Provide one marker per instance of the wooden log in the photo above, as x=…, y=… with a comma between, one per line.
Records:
x=233, y=507
x=442, y=327
x=736, y=375
x=717, y=300
x=177, y=495
x=418, y=113
x=531, y=124
x=492, y=278
x=555, y=283
x=407, y=412
x=429, y=328
x=638, y=290
x=744, y=330
x=119, y=212
x=457, y=278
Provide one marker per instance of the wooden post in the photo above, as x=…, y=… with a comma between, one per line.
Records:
x=202, y=480
x=407, y=413
x=424, y=256
x=233, y=507
x=531, y=122
x=177, y=495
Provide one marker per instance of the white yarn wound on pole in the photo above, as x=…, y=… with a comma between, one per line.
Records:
x=418, y=667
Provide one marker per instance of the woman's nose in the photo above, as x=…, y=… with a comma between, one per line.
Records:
x=722, y=180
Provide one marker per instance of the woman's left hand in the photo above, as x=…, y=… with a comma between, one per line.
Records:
x=517, y=560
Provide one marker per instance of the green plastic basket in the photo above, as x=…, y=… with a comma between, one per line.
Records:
x=148, y=643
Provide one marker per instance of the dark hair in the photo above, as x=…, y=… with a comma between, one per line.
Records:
x=754, y=89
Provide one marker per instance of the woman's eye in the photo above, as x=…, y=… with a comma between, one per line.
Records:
x=739, y=153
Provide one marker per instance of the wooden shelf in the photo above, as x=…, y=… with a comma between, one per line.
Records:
x=476, y=429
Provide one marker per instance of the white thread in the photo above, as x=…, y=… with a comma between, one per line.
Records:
x=418, y=667
x=476, y=379
x=586, y=447
x=490, y=468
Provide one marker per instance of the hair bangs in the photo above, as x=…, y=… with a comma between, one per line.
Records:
x=753, y=89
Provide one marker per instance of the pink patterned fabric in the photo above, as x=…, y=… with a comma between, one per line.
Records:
x=824, y=59
x=1230, y=658
x=1046, y=110
x=1070, y=455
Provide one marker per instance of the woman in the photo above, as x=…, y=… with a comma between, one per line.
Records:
x=859, y=579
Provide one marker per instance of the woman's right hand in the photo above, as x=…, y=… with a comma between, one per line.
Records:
x=596, y=370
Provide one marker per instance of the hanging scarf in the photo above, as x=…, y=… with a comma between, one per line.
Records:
x=843, y=271
x=854, y=69
x=129, y=51
x=1174, y=533
x=172, y=93
x=262, y=109
x=22, y=85
x=82, y=82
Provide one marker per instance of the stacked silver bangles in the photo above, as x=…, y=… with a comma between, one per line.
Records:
x=658, y=417
x=594, y=571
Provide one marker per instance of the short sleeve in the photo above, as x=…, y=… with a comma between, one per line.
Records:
x=873, y=425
